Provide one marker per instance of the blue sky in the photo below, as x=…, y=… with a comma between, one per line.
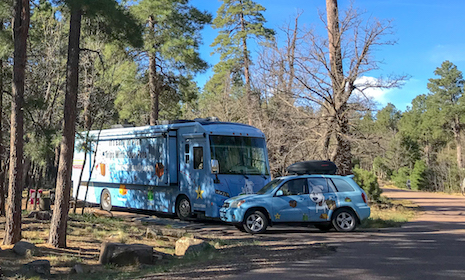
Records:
x=428, y=32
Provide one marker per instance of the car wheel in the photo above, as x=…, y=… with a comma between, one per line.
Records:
x=324, y=227
x=183, y=208
x=344, y=220
x=255, y=222
x=105, y=200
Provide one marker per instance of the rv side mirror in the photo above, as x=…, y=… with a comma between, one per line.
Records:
x=215, y=166
x=279, y=193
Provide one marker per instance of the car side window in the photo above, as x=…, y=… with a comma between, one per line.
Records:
x=342, y=185
x=295, y=187
x=318, y=185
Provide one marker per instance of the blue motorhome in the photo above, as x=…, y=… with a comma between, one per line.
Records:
x=183, y=167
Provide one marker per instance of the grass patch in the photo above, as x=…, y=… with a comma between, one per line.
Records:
x=64, y=260
x=390, y=213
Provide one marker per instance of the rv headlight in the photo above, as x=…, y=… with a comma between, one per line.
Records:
x=237, y=203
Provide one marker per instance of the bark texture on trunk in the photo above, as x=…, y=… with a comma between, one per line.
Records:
x=153, y=81
x=248, y=94
x=13, y=214
x=63, y=187
x=154, y=91
x=458, y=141
x=2, y=149
x=343, y=155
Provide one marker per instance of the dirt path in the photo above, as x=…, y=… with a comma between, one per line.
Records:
x=430, y=247
x=437, y=207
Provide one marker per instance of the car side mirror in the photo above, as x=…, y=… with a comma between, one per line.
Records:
x=215, y=166
x=279, y=193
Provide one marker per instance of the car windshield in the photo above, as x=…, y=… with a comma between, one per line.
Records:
x=239, y=154
x=270, y=186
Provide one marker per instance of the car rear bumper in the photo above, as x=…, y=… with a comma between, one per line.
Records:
x=363, y=212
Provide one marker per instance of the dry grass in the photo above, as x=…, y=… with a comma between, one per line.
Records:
x=390, y=213
x=85, y=236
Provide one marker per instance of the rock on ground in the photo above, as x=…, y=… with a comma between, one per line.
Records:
x=39, y=267
x=188, y=246
x=125, y=254
x=41, y=215
x=23, y=248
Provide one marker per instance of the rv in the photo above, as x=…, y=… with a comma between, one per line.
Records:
x=184, y=167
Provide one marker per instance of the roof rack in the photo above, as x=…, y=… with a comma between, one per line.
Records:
x=313, y=167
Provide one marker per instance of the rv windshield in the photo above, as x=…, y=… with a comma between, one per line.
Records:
x=239, y=155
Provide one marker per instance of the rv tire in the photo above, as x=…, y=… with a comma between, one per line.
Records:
x=183, y=207
x=105, y=200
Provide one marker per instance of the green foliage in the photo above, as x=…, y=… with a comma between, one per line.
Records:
x=119, y=23
x=6, y=40
x=388, y=118
x=381, y=168
x=239, y=20
x=172, y=38
x=401, y=176
x=446, y=102
x=369, y=183
x=418, y=176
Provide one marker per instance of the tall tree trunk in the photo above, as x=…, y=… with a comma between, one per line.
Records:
x=458, y=141
x=248, y=94
x=63, y=187
x=343, y=156
x=2, y=149
x=13, y=214
x=153, y=81
x=154, y=90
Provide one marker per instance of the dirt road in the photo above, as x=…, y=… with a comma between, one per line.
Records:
x=430, y=247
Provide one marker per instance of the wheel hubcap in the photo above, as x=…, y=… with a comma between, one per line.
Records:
x=106, y=199
x=184, y=208
x=254, y=222
x=345, y=220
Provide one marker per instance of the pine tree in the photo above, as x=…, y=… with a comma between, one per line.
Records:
x=5, y=50
x=20, y=33
x=120, y=25
x=239, y=21
x=448, y=102
x=172, y=39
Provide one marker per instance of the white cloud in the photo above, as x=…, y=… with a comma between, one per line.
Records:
x=366, y=87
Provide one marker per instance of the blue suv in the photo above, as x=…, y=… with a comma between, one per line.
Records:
x=324, y=200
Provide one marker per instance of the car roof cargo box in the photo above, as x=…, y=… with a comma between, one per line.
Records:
x=313, y=167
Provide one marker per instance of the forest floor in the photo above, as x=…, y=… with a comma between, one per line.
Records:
x=87, y=232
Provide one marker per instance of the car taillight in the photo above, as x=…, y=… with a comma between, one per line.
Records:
x=364, y=197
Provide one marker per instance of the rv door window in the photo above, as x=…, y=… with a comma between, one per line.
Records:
x=198, y=157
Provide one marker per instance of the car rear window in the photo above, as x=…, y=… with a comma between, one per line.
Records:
x=342, y=185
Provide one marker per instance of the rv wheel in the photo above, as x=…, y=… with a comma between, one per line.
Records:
x=105, y=200
x=183, y=208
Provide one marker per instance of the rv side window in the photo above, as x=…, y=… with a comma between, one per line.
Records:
x=186, y=151
x=198, y=157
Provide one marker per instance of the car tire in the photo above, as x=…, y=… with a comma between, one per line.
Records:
x=183, y=208
x=255, y=222
x=324, y=226
x=344, y=220
x=105, y=200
